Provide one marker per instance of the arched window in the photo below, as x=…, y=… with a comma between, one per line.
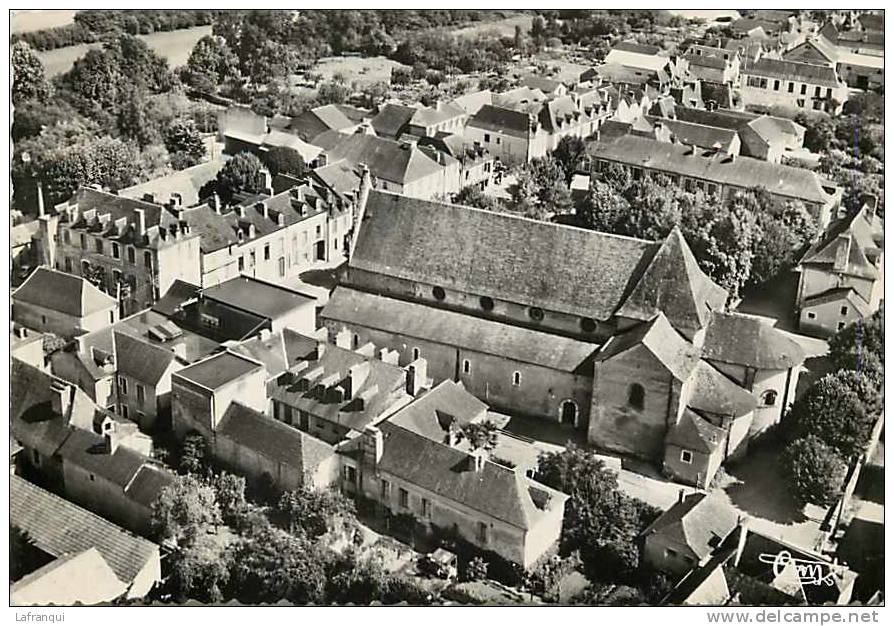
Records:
x=536, y=313
x=587, y=324
x=516, y=378
x=636, y=397
x=768, y=398
x=486, y=303
x=438, y=293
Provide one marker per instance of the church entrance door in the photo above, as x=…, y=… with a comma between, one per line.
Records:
x=569, y=413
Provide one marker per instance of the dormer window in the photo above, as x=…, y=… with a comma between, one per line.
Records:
x=438, y=293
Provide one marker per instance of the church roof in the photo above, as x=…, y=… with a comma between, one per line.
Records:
x=747, y=340
x=552, y=266
x=696, y=433
x=659, y=337
x=713, y=392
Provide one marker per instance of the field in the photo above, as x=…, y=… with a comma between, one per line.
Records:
x=362, y=70
x=504, y=27
x=175, y=46
x=26, y=21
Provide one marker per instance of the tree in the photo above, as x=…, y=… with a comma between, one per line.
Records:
x=860, y=343
x=184, y=510
x=229, y=492
x=473, y=196
x=333, y=92
x=819, y=131
x=553, y=194
x=602, y=208
x=476, y=569
x=240, y=173
x=284, y=160
x=480, y=435
x=194, y=454
x=28, y=78
x=781, y=233
x=523, y=196
x=401, y=76
x=313, y=513
x=814, y=471
x=273, y=565
x=569, y=154
x=184, y=143
x=211, y=63
x=839, y=409
x=200, y=571
x=374, y=93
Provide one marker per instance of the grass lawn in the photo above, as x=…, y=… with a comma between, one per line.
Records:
x=362, y=70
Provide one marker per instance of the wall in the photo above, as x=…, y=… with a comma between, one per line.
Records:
x=302, y=319
x=768, y=96
x=254, y=464
x=700, y=472
x=104, y=498
x=816, y=281
x=617, y=426
x=68, y=326
x=147, y=577
x=655, y=554
x=179, y=260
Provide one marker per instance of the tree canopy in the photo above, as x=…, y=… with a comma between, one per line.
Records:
x=814, y=470
x=29, y=81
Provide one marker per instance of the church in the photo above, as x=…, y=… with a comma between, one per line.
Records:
x=624, y=339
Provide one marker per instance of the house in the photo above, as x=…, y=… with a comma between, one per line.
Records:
x=633, y=56
x=749, y=568
x=395, y=120
x=476, y=164
x=394, y=166
x=335, y=391
x=862, y=71
x=338, y=117
x=792, y=84
x=620, y=358
x=89, y=560
x=270, y=235
x=26, y=345
x=550, y=87
x=124, y=246
x=456, y=493
x=55, y=302
x=685, y=536
x=719, y=173
x=511, y=136
x=842, y=276
x=23, y=251
x=97, y=459
x=242, y=307
x=143, y=380
x=712, y=64
x=182, y=188
x=223, y=398
x=439, y=413
x=244, y=131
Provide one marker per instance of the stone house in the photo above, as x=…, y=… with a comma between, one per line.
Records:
x=55, y=302
x=143, y=380
x=716, y=65
x=792, y=84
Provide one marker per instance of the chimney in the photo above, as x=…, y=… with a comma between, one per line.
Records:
x=179, y=350
x=112, y=437
x=344, y=338
x=251, y=231
x=842, y=252
x=743, y=538
x=216, y=203
x=262, y=209
x=681, y=496
x=389, y=356
x=711, y=105
x=61, y=397
x=141, y=222
x=41, y=210
x=149, y=197
x=476, y=460
x=176, y=199
x=373, y=445
x=265, y=334
x=416, y=373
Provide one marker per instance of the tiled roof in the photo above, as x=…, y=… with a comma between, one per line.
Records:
x=386, y=159
x=521, y=99
x=278, y=352
x=849, y=238
x=696, y=134
x=60, y=527
x=546, y=85
x=342, y=176
x=695, y=433
x=179, y=292
x=674, y=285
x=392, y=119
x=186, y=182
x=713, y=392
x=822, y=75
x=747, y=340
x=494, y=490
x=840, y=294
x=440, y=411
x=493, y=254
x=82, y=577
x=140, y=359
x=147, y=484
x=441, y=112
x=472, y=102
x=701, y=521
x=65, y=293
x=275, y=440
x=498, y=119
x=376, y=387
x=659, y=338
x=316, y=121
x=741, y=172
x=457, y=329
x=89, y=451
x=217, y=370
x=257, y=297
x=557, y=113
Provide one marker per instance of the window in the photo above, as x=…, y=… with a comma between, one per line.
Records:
x=92, y=478
x=43, y=319
x=467, y=366
x=351, y=474
x=486, y=303
x=670, y=553
x=35, y=457
x=636, y=396
x=303, y=420
x=403, y=498
x=536, y=313
x=498, y=141
x=116, y=250
x=68, y=265
x=516, y=378
x=147, y=259
x=141, y=395
x=209, y=320
x=319, y=231
x=83, y=241
x=486, y=137
x=588, y=324
x=415, y=353
x=817, y=92
x=384, y=489
x=438, y=293
x=125, y=412
x=829, y=92
x=844, y=310
x=803, y=90
x=97, y=244
x=426, y=508
x=251, y=258
x=791, y=87
x=482, y=532
x=686, y=456
x=769, y=397
x=282, y=266
x=712, y=189
x=817, y=105
x=66, y=236
x=241, y=263
x=841, y=325
x=122, y=385
x=775, y=85
x=267, y=252
x=131, y=256
x=811, y=315
x=754, y=81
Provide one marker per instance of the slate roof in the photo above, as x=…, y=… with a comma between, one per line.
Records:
x=316, y=121
x=848, y=294
x=701, y=521
x=849, y=238
x=741, y=172
x=498, y=119
x=257, y=297
x=342, y=176
x=658, y=337
x=59, y=527
x=386, y=159
x=502, y=256
x=278, y=352
x=179, y=292
x=638, y=48
x=696, y=134
x=219, y=369
x=822, y=75
x=674, y=285
x=82, y=577
x=186, y=182
x=712, y=392
x=557, y=113
x=495, y=490
x=457, y=329
x=431, y=116
x=392, y=119
x=275, y=440
x=472, y=102
x=140, y=359
x=544, y=84
x=89, y=451
x=65, y=293
x=439, y=411
x=708, y=56
x=747, y=340
x=695, y=433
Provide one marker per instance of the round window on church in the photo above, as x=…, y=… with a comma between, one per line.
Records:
x=438, y=293
x=587, y=324
x=486, y=303
x=536, y=313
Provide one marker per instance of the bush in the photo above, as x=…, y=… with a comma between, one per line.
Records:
x=814, y=471
x=475, y=569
